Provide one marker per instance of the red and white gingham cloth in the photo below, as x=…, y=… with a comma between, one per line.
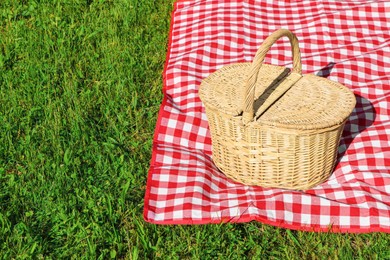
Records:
x=346, y=41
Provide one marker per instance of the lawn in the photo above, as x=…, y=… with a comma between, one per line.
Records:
x=80, y=91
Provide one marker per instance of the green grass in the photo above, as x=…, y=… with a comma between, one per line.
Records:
x=80, y=92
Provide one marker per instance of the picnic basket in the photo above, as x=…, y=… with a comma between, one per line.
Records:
x=271, y=127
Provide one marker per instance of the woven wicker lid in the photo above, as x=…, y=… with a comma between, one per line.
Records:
x=271, y=95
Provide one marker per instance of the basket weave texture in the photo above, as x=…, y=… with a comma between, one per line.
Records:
x=271, y=127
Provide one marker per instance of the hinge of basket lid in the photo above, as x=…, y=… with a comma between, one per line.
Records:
x=268, y=99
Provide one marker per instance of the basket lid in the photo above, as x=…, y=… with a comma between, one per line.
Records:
x=271, y=95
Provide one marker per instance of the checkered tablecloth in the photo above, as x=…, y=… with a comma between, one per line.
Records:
x=345, y=41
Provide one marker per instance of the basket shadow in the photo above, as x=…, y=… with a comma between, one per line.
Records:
x=325, y=71
x=362, y=117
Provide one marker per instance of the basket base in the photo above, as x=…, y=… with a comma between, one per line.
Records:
x=271, y=183
x=275, y=158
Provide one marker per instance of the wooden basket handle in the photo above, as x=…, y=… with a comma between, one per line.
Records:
x=249, y=99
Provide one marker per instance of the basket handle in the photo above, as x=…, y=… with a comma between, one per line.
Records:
x=248, y=109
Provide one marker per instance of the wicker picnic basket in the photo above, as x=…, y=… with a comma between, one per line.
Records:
x=271, y=127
